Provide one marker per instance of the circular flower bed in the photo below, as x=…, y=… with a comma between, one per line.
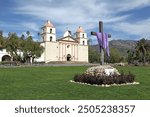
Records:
x=104, y=79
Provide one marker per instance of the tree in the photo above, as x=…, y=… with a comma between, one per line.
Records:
x=115, y=56
x=12, y=46
x=1, y=33
x=22, y=37
x=28, y=33
x=2, y=42
x=94, y=56
x=23, y=48
x=142, y=48
x=31, y=49
x=37, y=50
x=130, y=58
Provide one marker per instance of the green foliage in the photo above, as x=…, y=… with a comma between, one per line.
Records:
x=31, y=49
x=2, y=42
x=141, y=54
x=142, y=49
x=130, y=57
x=12, y=46
x=94, y=56
x=23, y=48
x=115, y=56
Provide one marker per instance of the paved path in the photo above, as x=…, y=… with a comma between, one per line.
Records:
x=50, y=64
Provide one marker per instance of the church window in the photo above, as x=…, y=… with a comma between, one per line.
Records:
x=50, y=38
x=83, y=35
x=50, y=30
x=83, y=42
x=68, y=46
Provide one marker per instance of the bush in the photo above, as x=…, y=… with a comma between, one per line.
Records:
x=106, y=80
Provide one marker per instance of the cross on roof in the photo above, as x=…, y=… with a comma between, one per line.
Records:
x=101, y=49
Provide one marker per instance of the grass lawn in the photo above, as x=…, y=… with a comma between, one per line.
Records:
x=53, y=83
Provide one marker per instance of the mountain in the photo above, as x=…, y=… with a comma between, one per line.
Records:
x=121, y=45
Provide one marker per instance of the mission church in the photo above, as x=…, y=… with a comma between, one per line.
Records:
x=67, y=48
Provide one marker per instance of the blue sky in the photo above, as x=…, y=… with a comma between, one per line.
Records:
x=124, y=19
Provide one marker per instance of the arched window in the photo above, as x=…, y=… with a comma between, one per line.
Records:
x=6, y=58
x=83, y=35
x=51, y=38
x=83, y=42
x=50, y=30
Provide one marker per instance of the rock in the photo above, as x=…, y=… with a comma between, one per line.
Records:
x=120, y=64
x=104, y=70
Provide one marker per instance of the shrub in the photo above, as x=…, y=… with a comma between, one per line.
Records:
x=106, y=80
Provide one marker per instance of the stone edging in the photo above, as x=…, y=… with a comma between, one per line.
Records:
x=134, y=83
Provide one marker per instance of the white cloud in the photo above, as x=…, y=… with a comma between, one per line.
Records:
x=116, y=19
x=132, y=4
x=82, y=12
x=30, y=25
x=68, y=13
x=5, y=25
x=79, y=11
x=86, y=13
x=19, y=25
x=140, y=28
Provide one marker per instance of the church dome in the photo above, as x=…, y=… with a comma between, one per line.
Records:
x=49, y=24
x=80, y=30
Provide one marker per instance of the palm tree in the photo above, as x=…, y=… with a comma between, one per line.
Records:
x=142, y=47
x=28, y=33
x=22, y=37
x=1, y=33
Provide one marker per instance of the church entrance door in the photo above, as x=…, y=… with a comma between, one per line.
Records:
x=68, y=57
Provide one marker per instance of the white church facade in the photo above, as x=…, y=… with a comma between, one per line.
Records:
x=67, y=48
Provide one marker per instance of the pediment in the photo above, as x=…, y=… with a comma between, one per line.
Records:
x=68, y=38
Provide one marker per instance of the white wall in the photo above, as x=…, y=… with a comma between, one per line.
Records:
x=83, y=53
x=50, y=35
x=51, y=51
x=2, y=53
x=53, y=30
x=46, y=34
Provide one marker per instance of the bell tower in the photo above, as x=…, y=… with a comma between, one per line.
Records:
x=81, y=36
x=48, y=32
